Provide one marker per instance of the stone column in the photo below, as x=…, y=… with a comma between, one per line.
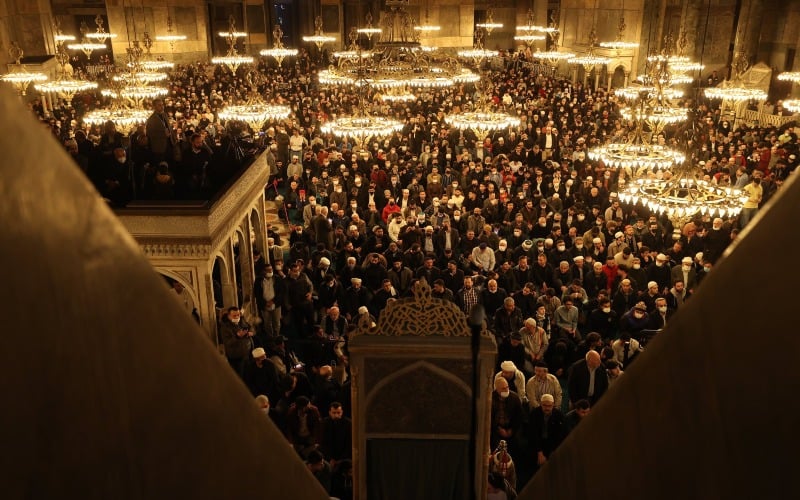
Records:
x=748, y=29
x=246, y=265
x=652, y=27
x=29, y=23
x=229, y=296
x=261, y=231
x=610, y=76
x=627, y=77
x=206, y=307
x=690, y=24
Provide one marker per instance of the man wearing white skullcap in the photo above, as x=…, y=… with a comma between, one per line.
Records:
x=514, y=377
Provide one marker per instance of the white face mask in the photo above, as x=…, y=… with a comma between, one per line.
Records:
x=687, y=267
x=269, y=275
x=578, y=245
x=662, y=309
x=638, y=315
x=606, y=310
x=581, y=217
x=561, y=248
x=659, y=264
x=235, y=321
x=122, y=160
x=505, y=394
x=637, y=266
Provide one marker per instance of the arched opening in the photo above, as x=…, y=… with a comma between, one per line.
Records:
x=185, y=293
x=618, y=78
x=219, y=277
x=258, y=234
x=238, y=245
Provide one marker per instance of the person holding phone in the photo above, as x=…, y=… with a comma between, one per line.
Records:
x=237, y=336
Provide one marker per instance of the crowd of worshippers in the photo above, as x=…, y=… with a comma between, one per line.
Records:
x=522, y=222
x=183, y=152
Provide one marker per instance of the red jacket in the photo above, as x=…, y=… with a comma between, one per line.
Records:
x=388, y=210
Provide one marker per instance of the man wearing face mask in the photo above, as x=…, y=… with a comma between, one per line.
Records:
x=114, y=182
x=237, y=336
x=660, y=314
x=755, y=194
x=685, y=272
x=635, y=320
x=603, y=320
x=506, y=413
x=270, y=293
x=660, y=272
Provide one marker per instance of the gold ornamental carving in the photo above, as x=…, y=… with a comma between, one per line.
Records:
x=421, y=315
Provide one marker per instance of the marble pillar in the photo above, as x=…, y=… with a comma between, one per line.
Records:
x=748, y=30
x=690, y=24
x=247, y=271
x=229, y=295
x=29, y=23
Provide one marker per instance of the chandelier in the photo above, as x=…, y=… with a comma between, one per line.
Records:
x=64, y=86
x=171, y=37
x=736, y=90
x=790, y=76
x=318, y=38
x=680, y=192
x=553, y=57
x=620, y=44
x=398, y=96
x=254, y=112
x=489, y=25
x=478, y=53
x=649, y=106
x=634, y=92
x=792, y=105
x=483, y=120
x=397, y=60
x=529, y=30
x=680, y=66
x=365, y=74
x=125, y=119
x=683, y=196
x=20, y=77
x=279, y=52
x=148, y=67
x=232, y=59
x=427, y=27
x=92, y=40
x=369, y=30
x=736, y=94
x=362, y=127
x=590, y=60
x=100, y=35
